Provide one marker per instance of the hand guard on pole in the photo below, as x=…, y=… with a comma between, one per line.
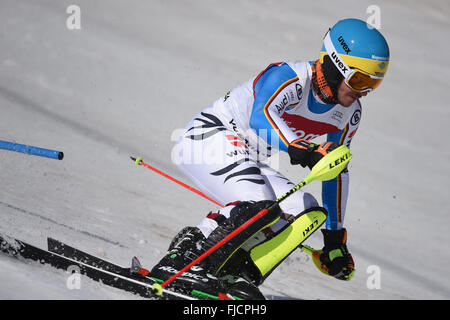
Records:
x=335, y=258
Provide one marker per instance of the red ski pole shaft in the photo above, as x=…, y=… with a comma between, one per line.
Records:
x=139, y=161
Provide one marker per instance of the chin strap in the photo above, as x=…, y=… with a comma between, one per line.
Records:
x=320, y=85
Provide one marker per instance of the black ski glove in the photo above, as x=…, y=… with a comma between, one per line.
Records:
x=306, y=153
x=335, y=258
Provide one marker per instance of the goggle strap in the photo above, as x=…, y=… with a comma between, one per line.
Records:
x=343, y=68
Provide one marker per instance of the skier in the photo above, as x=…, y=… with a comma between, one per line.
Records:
x=224, y=150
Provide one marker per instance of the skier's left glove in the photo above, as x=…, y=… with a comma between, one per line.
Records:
x=306, y=153
x=335, y=258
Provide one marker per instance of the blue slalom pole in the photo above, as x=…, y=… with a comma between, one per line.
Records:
x=35, y=151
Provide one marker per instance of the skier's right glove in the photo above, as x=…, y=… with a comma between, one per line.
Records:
x=306, y=153
x=335, y=257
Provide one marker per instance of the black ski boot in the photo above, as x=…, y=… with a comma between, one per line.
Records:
x=235, y=283
x=190, y=243
x=199, y=281
x=185, y=248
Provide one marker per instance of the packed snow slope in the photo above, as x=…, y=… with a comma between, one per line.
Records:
x=137, y=71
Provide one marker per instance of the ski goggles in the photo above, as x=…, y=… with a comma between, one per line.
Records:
x=356, y=79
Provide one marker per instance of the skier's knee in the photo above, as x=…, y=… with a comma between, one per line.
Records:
x=309, y=201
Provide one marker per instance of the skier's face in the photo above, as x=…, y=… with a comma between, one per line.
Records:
x=346, y=95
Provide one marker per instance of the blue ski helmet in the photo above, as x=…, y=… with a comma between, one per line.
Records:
x=358, y=51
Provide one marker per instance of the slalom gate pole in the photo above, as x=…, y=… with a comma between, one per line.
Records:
x=35, y=151
x=139, y=162
x=329, y=167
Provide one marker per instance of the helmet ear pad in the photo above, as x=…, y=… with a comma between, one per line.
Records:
x=332, y=75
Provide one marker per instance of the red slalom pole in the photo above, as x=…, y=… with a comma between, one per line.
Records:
x=139, y=162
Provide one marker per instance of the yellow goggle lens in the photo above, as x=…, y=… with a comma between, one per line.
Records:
x=360, y=81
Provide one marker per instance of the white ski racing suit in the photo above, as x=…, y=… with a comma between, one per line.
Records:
x=223, y=148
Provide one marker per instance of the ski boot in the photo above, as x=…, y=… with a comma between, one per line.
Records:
x=190, y=243
x=184, y=248
x=199, y=281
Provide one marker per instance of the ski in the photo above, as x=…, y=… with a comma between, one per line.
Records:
x=22, y=250
x=135, y=272
x=65, y=250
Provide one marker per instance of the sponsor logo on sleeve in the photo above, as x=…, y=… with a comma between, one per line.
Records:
x=290, y=99
x=299, y=89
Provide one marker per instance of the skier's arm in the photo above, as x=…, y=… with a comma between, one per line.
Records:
x=274, y=91
x=336, y=260
x=335, y=191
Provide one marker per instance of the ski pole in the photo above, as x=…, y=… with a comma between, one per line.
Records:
x=315, y=257
x=35, y=151
x=326, y=169
x=139, y=162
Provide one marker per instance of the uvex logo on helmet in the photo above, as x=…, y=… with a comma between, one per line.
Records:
x=344, y=45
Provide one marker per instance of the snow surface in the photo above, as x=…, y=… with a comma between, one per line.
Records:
x=139, y=70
